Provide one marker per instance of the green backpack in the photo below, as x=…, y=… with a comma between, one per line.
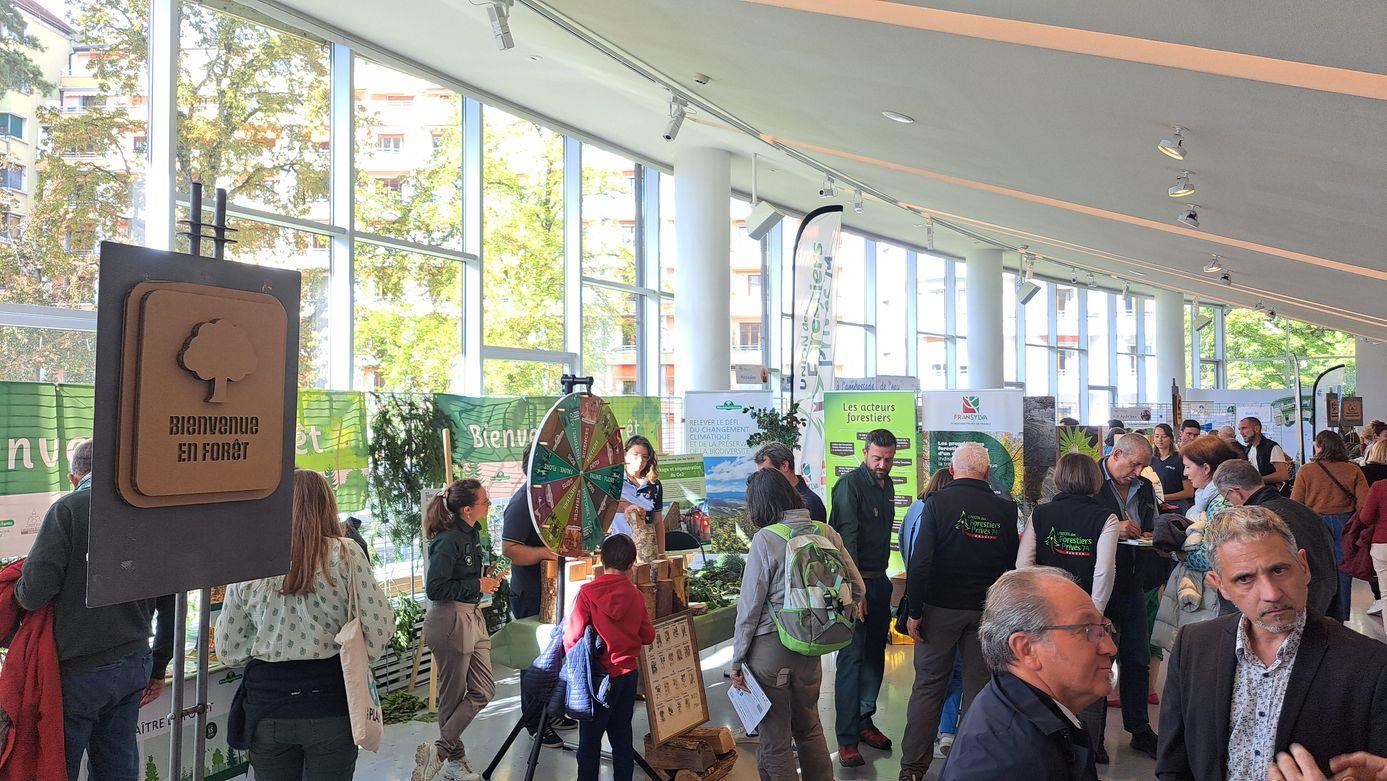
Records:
x=812, y=619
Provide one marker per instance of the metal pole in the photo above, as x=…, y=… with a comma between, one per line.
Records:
x=195, y=221
x=204, y=675
x=1299, y=418
x=180, y=627
x=1315, y=394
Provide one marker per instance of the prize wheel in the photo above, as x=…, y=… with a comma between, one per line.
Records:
x=576, y=470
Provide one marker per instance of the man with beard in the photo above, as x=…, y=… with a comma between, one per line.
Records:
x=1242, y=688
x=863, y=513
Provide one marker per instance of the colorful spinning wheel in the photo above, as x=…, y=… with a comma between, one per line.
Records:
x=576, y=471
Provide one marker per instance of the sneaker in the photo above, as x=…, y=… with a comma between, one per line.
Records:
x=426, y=763
x=946, y=743
x=1145, y=742
x=1375, y=609
x=874, y=738
x=908, y=774
x=849, y=756
x=563, y=723
x=550, y=739
x=458, y=770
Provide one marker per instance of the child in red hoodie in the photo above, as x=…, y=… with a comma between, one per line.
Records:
x=615, y=609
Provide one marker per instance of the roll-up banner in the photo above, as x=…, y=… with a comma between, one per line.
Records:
x=816, y=244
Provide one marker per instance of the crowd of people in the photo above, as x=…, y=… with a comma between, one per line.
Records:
x=1218, y=555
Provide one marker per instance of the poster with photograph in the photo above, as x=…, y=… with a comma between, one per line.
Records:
x=993, y=418
x=715, y=426
x=685, y=482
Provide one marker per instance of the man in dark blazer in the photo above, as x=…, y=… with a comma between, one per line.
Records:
x=1244, y=687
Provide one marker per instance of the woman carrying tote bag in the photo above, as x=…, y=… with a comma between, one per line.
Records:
x=291, y=710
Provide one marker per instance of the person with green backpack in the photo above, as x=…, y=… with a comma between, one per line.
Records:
x=801, y=597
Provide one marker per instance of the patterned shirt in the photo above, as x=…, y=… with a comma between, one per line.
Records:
x=1258, y=692
x=258, y=621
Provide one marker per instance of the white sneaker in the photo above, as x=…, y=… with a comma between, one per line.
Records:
x=943, y=745
x=1375, y=609
x=458, y=770
x=426, y=763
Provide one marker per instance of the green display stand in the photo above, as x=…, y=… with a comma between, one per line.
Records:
x=519, y=642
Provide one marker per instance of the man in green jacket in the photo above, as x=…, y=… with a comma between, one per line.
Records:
x=108, y=671
x=863, y=513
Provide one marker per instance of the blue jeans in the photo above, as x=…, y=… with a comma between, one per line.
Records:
x=948, y=719
x=615, y=721
x=1128, y=612
x=862, y=665
x=101, y=712
x=1336, y=523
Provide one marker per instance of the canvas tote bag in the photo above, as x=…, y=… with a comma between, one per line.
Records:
x=363, y=701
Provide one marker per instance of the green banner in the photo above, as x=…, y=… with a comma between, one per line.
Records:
x=331, y=439
x=40, y=423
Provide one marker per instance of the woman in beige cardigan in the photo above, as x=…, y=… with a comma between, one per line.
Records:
x=1334, y=487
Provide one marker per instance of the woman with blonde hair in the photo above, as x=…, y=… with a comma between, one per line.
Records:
x=454, y=627
x=291, y=710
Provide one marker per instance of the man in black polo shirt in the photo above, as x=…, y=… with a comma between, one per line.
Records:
x=1132, y=499
x=778, y=456
x=967, y=538
x=864, y=511
x=521, y=544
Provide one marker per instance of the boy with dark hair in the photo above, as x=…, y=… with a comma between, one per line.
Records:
x=615, y=610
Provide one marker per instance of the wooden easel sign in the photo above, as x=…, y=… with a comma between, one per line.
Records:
x=673, y=680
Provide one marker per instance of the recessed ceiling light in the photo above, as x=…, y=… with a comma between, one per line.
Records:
x=535, y=58
x=1136, y=273
x=896, y=116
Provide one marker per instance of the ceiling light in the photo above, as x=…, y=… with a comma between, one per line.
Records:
x=827, y=190
x=1214, y=266
x=1271, y=314
x=1073, y=276
x=1182, y=186
x=1026, y=291
x=1175, y=146
x=1190, y=216
x=1226, y=278
x=677, y=111
x=857, y=201
x=929, y=234
x=499, y=13
x=1091, y=281
x=896, y=116
x=1136, y=273
x=1202, y=322
x=1126, y=291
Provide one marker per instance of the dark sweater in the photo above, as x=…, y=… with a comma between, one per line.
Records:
x=455, y=565
x=966, y=540
x=56, y=571
x=864, y=514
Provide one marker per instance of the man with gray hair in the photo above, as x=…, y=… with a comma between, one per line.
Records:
x=1242, y=688
x=1050, y=650
x=965, y=541
x=778, y=456
x=1132, y=498
x=108, y=671
x=1242, y=484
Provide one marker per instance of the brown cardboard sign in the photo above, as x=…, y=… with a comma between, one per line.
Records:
x=203, y=395
x=193, y=433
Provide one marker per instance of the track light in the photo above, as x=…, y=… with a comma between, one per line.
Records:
x=929, y=234
x=1202, y=322
x=827, y=191
x=1126, y=291
x=499, y=13
x=1226, y=278
x=1182, y=186
x=1271, y=314
x=1175, y=146
x=1026, y=291
x=1214, y=266
x=857, y=201
x=1073, y=276
x=678, y=109
x=1190, y=216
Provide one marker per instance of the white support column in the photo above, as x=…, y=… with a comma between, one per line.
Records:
x=984, y=318
x=1371, y=362
x=702, y=271
x=1170, y=342
x=163, y=123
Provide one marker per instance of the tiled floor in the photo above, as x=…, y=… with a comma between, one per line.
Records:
x=395, y=760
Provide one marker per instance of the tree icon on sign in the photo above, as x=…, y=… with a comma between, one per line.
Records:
x=220, y=352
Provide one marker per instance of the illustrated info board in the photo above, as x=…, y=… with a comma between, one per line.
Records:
x=576, y=470
x=194, y=423
x=673, y=680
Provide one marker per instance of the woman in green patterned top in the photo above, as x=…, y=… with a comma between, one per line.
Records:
x=291, y=710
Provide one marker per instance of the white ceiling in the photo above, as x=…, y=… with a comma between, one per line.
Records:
x=1032, y=143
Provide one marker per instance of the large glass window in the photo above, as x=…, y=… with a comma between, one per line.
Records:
x=522, y=234
x=609, y=216
x=408, y=157
x=408, y=320
x=609, y=340
x=893, y=299
x=47, y=355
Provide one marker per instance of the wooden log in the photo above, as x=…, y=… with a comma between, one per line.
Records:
x=549, y=592
x=720, y=738
x=680, y=754
x=720, y=769
x=664, y=599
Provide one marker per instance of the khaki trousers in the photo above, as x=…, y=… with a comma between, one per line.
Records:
x=791, y=682
x=456, y=634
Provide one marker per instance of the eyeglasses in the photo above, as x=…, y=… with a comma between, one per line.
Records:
x=1094, y=632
